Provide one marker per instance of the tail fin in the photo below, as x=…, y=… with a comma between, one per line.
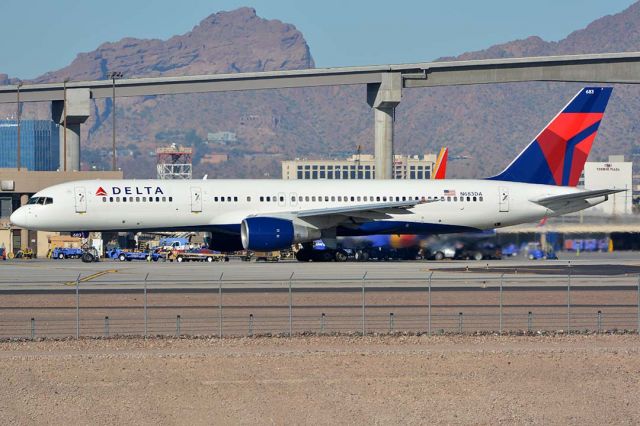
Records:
x=557, y=155
x=440, y=168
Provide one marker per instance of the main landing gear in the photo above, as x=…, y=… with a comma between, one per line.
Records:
x=306, y=254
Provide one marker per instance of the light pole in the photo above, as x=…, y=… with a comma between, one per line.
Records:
x=18, y=115
x=64, y=124
x=113, y=75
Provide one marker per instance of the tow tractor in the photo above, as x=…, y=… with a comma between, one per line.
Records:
x=66, y=253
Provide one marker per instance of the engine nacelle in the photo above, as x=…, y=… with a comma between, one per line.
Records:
x=271, y=233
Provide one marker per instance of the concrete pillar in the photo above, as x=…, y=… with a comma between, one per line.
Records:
x=384, y=97
x=383, y=118
x=73, y=147
x=24, y=233
x=78, y=110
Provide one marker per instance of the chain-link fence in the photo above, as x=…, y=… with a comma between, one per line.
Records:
x=430, y=304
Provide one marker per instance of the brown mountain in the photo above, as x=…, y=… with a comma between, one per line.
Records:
x=488, y=123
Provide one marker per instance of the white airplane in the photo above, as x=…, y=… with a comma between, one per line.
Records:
x=266, y=215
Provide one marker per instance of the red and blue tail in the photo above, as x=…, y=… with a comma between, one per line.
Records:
x=557, y=155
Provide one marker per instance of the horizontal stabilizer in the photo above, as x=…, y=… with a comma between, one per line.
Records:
x=576, y=199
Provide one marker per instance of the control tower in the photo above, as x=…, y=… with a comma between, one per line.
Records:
x=174, y=162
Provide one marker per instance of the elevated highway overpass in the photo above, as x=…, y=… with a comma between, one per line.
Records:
x=384, y=83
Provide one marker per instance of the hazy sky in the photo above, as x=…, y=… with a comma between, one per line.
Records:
x=43, y=35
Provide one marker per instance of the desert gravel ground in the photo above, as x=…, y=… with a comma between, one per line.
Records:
x=577, y=379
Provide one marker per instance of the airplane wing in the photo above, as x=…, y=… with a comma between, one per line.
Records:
x=336, y=215
x=561, y=202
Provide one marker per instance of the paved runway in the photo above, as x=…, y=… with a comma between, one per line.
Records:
x=588, y=270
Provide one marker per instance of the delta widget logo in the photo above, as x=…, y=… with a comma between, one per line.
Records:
x=101, y=192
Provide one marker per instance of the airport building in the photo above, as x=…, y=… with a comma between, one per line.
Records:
x=39, y=144
x=613, y=174
x=358, y=167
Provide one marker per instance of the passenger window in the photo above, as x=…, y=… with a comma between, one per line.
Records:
x=157, y=199
x=378, y=198
x=248, y=199
x=215, y=199
x=274, y=198
x=326, y=198
x=170, y=199
x=481, y=199
x=397, y=198
x=364, y=198
x=448, y=198
x=313, y=198
x=104, y=199
x=475, y=199
x=353, y=198
x=468, y=198
x=261, y=199
x=111, y=199
x=293, y=199
x=124, y=199
x=300, y=198
x=339, y=197
x=235, y=199
x=404, y=198
x=455, y=198
x=164, y=199
x=144, y=199
x=151, y=199
x=281, y=199
x=384, y=198
x=306, y=198
x=137, y=199
x=117, y=199
x=442, y=198
x=358, y=198
x=268, y=198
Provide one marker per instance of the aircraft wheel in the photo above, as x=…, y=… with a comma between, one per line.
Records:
x=341, y=256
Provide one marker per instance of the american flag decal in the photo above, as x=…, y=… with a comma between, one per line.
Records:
x=450, y=192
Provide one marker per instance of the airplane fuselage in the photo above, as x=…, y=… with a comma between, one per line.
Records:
x=210, y=205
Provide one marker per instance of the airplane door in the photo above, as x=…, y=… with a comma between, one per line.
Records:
x=294, y=199
x=81, y=199
x=504, y=199
x=196, y=200
x=282, y=199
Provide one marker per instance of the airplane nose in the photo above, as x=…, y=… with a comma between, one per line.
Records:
x=19, y=217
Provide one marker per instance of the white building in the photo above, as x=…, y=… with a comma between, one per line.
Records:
x=358, y=167
x=613, y=174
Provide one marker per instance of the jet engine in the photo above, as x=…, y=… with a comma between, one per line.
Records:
x=271, y=233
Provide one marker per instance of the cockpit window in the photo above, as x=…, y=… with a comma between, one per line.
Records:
x=40, y=200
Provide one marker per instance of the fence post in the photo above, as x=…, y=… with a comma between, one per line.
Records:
x=429, y=311
x=290, y=306
x=363, y=305
x=569, y=299
x=322, y=320
x=599, y=321
x=529, y=321
x=78, y=307
x=250, y=325
x=106, y=326
x=220, y=305
x=178, y=326
x=33, y=328
x=501, y=284
x=460, y=322
x=146, y=317
x=390, y=322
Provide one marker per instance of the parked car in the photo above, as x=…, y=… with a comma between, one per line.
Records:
x=479, y=251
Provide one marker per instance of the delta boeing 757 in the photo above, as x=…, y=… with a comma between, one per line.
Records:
x=274, y=214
